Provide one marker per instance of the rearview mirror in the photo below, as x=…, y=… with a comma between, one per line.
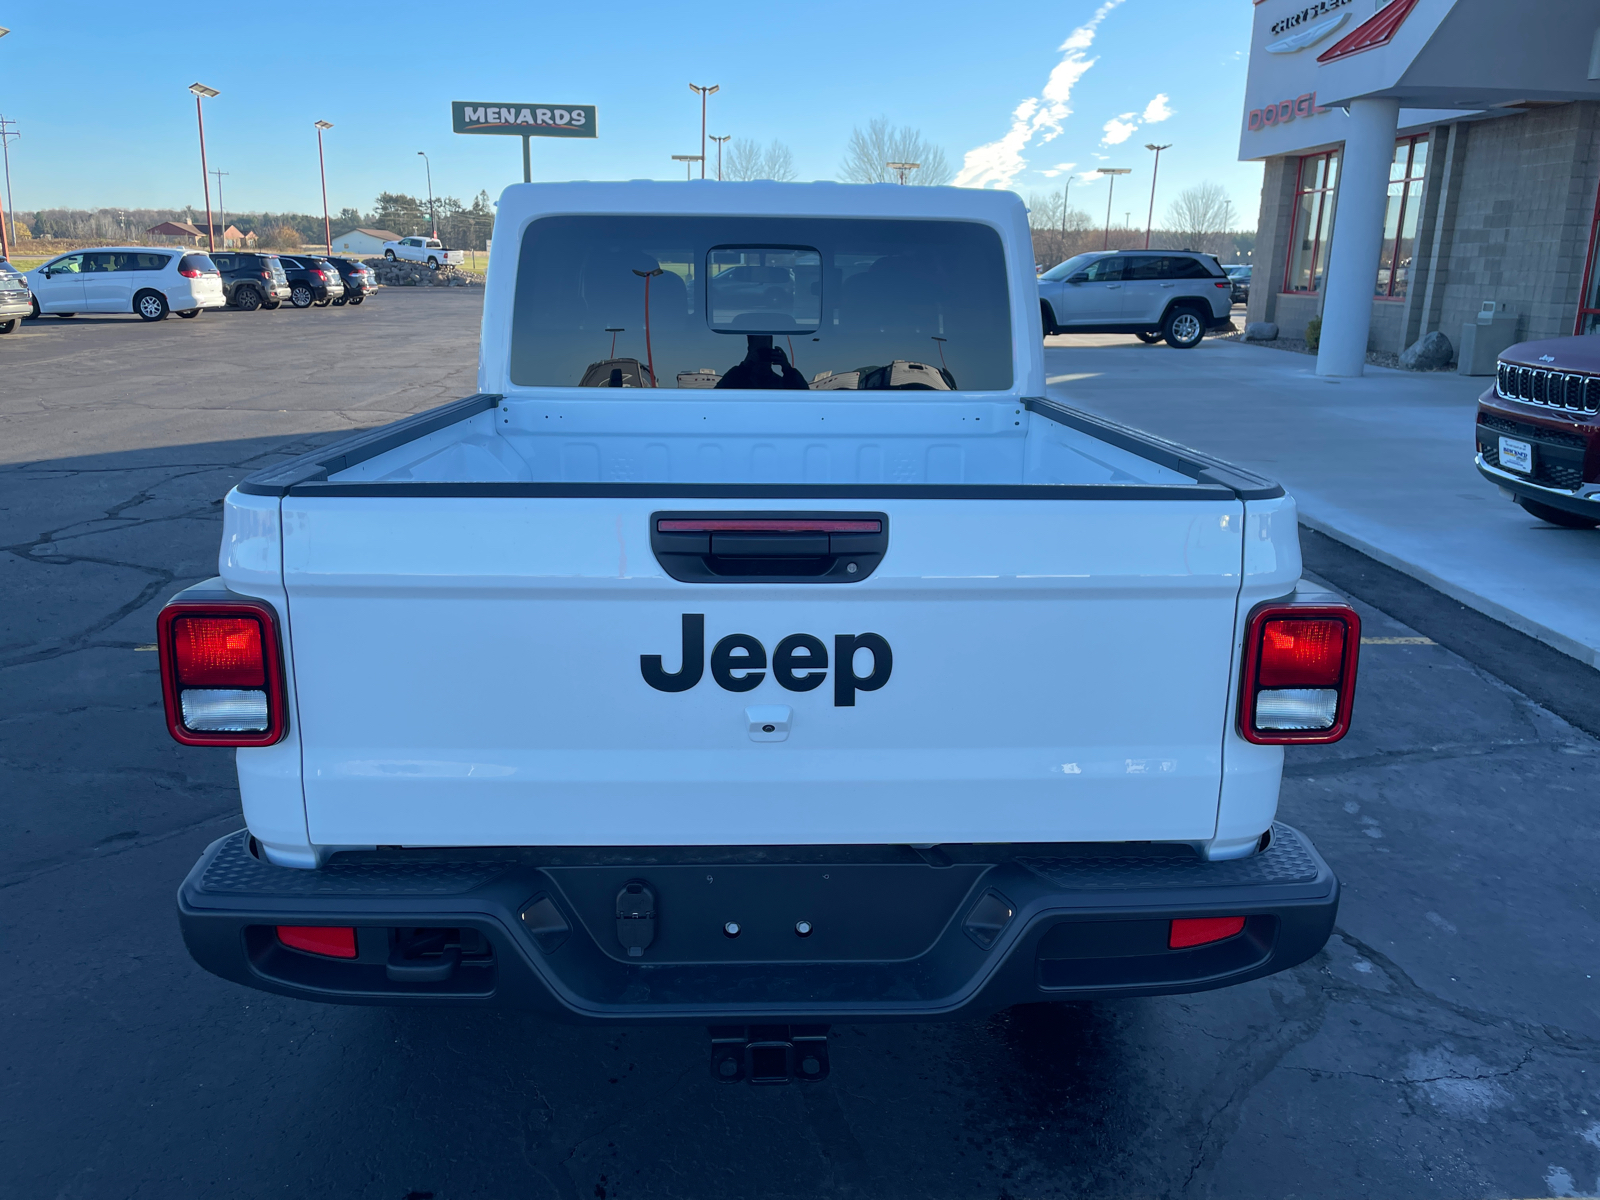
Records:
x=1080, y=277
x=764, y=289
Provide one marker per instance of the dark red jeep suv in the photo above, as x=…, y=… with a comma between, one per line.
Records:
x=1539, y=429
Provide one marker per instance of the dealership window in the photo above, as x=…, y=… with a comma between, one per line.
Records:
x=1313, y=222
x=1400, y=216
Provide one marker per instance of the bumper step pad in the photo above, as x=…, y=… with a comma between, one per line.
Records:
x=762, y=936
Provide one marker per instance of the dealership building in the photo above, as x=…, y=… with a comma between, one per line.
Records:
x=1429, y=165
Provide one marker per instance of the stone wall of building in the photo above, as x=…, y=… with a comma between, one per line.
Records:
x=1520, y=228
x=1506, y=217
x=1274, y=228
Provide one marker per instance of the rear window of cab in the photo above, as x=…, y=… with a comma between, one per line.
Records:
x=786, y=303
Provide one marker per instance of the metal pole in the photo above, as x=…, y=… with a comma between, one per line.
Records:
x=5, y=140
x=222, y=212
x=322, y=169
x=1065, y=192
x=433, y=221
x=704, y=92
x=719, y=141
x=1110, y=191
x=527, y=158
x=205, y=175
x=1151, y=215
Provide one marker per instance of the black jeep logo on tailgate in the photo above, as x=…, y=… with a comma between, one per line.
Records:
x=799, y=662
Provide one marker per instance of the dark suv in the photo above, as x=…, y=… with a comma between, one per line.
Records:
x=312, y=280
x=1539, y=429
x=1239, y=274
x=360, y=280
x=252, y=281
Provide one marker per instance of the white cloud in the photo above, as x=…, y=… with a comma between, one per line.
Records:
x=1058, y=169
x=997, y=163
x=1119, y=130
x=1157, y=110
x=1101, y=157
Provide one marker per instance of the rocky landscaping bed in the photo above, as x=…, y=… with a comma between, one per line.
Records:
x=405, y=274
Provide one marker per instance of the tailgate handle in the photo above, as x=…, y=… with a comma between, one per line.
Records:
x=729, y=547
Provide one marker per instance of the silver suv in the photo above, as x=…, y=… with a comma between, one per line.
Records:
x=1178, y=295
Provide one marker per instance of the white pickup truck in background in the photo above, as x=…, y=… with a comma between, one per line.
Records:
x=430, y=251
x=917, y=696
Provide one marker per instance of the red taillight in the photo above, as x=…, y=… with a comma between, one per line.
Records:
x=319, y=274
x=330, y=941
x=266, y=274
x=219, y=652
x=1299, y=673
x=221, y=673
x=1227, y=283
x=1201, y=931
x=1301, y=653
x=189, y=272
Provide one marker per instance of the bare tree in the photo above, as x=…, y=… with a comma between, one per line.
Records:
x=745, y=159
x=1201, y=217
x=1059, y=231
x=867, y=157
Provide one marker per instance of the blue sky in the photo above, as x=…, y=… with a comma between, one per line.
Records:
x=1014, y=91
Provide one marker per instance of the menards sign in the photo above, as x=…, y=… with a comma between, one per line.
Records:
x=524, y=120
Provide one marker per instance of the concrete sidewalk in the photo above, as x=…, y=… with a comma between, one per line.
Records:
x=1382, y=463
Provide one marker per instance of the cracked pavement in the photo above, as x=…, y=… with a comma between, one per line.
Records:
x=1446, y=1043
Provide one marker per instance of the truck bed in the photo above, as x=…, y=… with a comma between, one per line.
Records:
x=971, y=446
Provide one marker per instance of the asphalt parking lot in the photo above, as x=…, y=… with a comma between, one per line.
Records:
x=1440, y=1046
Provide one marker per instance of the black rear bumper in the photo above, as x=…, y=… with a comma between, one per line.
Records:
x=890, y=934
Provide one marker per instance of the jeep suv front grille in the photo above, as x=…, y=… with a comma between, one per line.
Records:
x=1552, y=467
x=1565, y=390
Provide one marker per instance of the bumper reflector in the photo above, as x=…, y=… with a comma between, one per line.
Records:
x=218, y=710
x=330, y=941
x=1201, y=931
x=1296, y=708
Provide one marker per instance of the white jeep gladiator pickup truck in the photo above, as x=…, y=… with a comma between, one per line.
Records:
x=424, y=250
x=915, y=697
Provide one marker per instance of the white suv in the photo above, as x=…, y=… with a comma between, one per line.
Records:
x=146, y=280
x=1178, y=295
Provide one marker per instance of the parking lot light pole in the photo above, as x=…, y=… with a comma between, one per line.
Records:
x=222, y=209
x=688, y=161
x=322, y=168
x=5, y=246
x=433, y=221
x=201, y=91
x=719, y=141
x=703, y=93
x=903, y=169
x=1151, y=215
x=1113, y=172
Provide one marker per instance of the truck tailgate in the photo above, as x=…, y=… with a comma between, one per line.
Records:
x=468, y=672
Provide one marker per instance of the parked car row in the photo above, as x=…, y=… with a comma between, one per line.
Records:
x=154, y=282
x=260, y=280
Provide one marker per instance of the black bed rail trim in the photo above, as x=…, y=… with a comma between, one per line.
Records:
x=1202, y=467
x=314, y=465
x=765, y=491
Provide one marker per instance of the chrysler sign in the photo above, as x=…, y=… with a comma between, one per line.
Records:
x=524, y=120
